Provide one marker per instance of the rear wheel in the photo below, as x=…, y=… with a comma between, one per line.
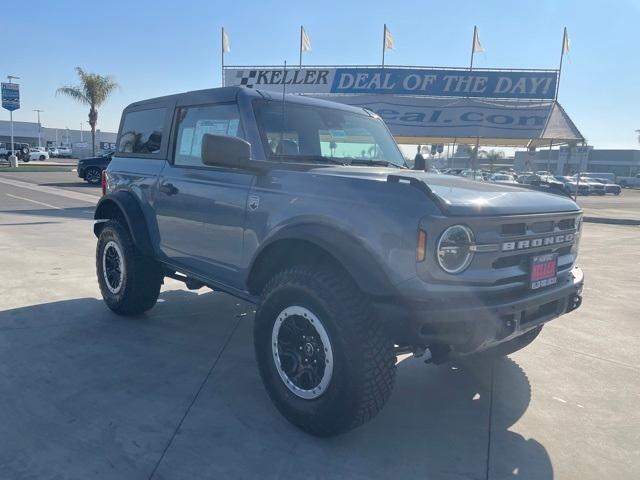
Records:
x=323, y=357
x=93, y=175
x=42, y=158
x=129, y=282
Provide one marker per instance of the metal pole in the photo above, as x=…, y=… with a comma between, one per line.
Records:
x=473, y=44
x=384, y=38
x=301, y=27
x=13, y=145
x=475, y=157
x=39, y=127
x=549, y=158
x=81, y=138
x=222, y=57
x=564, y=35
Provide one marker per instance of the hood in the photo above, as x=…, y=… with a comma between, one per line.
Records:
x=459, y=196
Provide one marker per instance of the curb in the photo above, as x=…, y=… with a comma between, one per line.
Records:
x=611, y=221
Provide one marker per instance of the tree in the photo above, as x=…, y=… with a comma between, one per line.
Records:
x=492, y=156
x=94, y=89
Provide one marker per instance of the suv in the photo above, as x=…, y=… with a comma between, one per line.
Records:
x=305, y=208
x=22, y=150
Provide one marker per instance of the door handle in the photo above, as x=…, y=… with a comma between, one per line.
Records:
x=168, y=189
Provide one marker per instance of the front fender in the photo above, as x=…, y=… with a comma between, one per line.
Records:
x=360, y=261
x=123, y=204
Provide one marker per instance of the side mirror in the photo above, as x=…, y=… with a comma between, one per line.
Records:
x=225, y=151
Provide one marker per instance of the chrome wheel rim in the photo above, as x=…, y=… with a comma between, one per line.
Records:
x=112, y=267
x=302, y=352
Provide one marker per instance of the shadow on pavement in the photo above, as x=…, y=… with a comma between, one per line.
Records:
x=87, y=394
x=70, y=212
x=72, y=185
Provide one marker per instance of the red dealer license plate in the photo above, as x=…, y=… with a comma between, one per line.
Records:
x=544, y=270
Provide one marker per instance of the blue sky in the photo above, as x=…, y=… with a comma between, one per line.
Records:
x=160, y=47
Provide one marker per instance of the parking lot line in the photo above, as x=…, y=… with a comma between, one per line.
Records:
x=51, y=190
x=34, y=201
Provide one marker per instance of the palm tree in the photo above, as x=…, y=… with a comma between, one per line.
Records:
x=94, y=89
x=492, y=156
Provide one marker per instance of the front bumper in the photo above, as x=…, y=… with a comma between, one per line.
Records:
x=472, y=325
x=80, y=170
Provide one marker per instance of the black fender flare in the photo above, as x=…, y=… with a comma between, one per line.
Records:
x=353, y=255
x=130, y=209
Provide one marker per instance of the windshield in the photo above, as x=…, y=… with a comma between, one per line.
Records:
x=324, y=134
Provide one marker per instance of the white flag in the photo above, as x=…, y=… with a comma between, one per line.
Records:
x=388, y=39
x=477, y=46
x=565, y=42
x=226, y=46
x=305, y=41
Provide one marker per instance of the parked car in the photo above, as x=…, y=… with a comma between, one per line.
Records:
x=529, y=178
x=572, y=187
x=53, y=152
x=90, y=169
x=629, y=182
x=595, y=188
x=502, y=178
x=351, y=261
x=65, y=152
x=22, y=150
x=609, y=187
x=37, y=154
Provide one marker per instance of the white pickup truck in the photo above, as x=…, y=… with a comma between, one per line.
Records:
x=629, y=182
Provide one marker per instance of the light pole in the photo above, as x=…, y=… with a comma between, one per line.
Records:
x=81, y=140
x=39, y=127
x=13, y=145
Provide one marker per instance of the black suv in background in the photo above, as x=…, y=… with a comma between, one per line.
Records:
x=90, y=169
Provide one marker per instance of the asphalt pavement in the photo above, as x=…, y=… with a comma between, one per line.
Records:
x=175, y=393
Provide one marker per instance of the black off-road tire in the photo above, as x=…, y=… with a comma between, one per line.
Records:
x=363, y=356
x=142, y=275
x=511, y=346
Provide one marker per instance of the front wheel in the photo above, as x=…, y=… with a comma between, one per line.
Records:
x=324, y=358
x=129, y=282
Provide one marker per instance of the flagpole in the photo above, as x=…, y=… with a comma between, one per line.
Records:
x=301, y=30
x=564, y=38
x=222, y=56
x=473, y=44
x=384, y=37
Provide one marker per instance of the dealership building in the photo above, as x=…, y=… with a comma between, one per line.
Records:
x=566, y=161
x=80, y=141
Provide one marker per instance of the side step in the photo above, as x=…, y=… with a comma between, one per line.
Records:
x=191, y=283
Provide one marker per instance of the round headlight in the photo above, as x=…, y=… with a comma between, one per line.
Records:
x=454, y=248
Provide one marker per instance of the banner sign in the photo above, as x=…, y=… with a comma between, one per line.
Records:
x=433, y=82
x=437, y=117
x=10, y=96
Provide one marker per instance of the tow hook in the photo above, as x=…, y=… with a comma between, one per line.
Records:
x=574, y=302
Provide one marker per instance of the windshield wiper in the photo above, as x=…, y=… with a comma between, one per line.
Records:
x=383, y=163
x=313, y=158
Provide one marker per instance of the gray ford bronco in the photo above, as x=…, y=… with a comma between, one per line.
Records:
x=306, y=208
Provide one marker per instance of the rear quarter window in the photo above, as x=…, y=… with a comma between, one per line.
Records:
x=142, y=132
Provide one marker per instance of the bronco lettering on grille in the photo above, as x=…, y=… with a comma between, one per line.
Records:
x=537, y=242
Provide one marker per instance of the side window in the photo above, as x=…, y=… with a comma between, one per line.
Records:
x=142, y=131
x=194, y=122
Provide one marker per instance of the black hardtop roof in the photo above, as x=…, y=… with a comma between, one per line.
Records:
x=228, y=94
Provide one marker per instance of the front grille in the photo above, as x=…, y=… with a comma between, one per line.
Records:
x=519, y=242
